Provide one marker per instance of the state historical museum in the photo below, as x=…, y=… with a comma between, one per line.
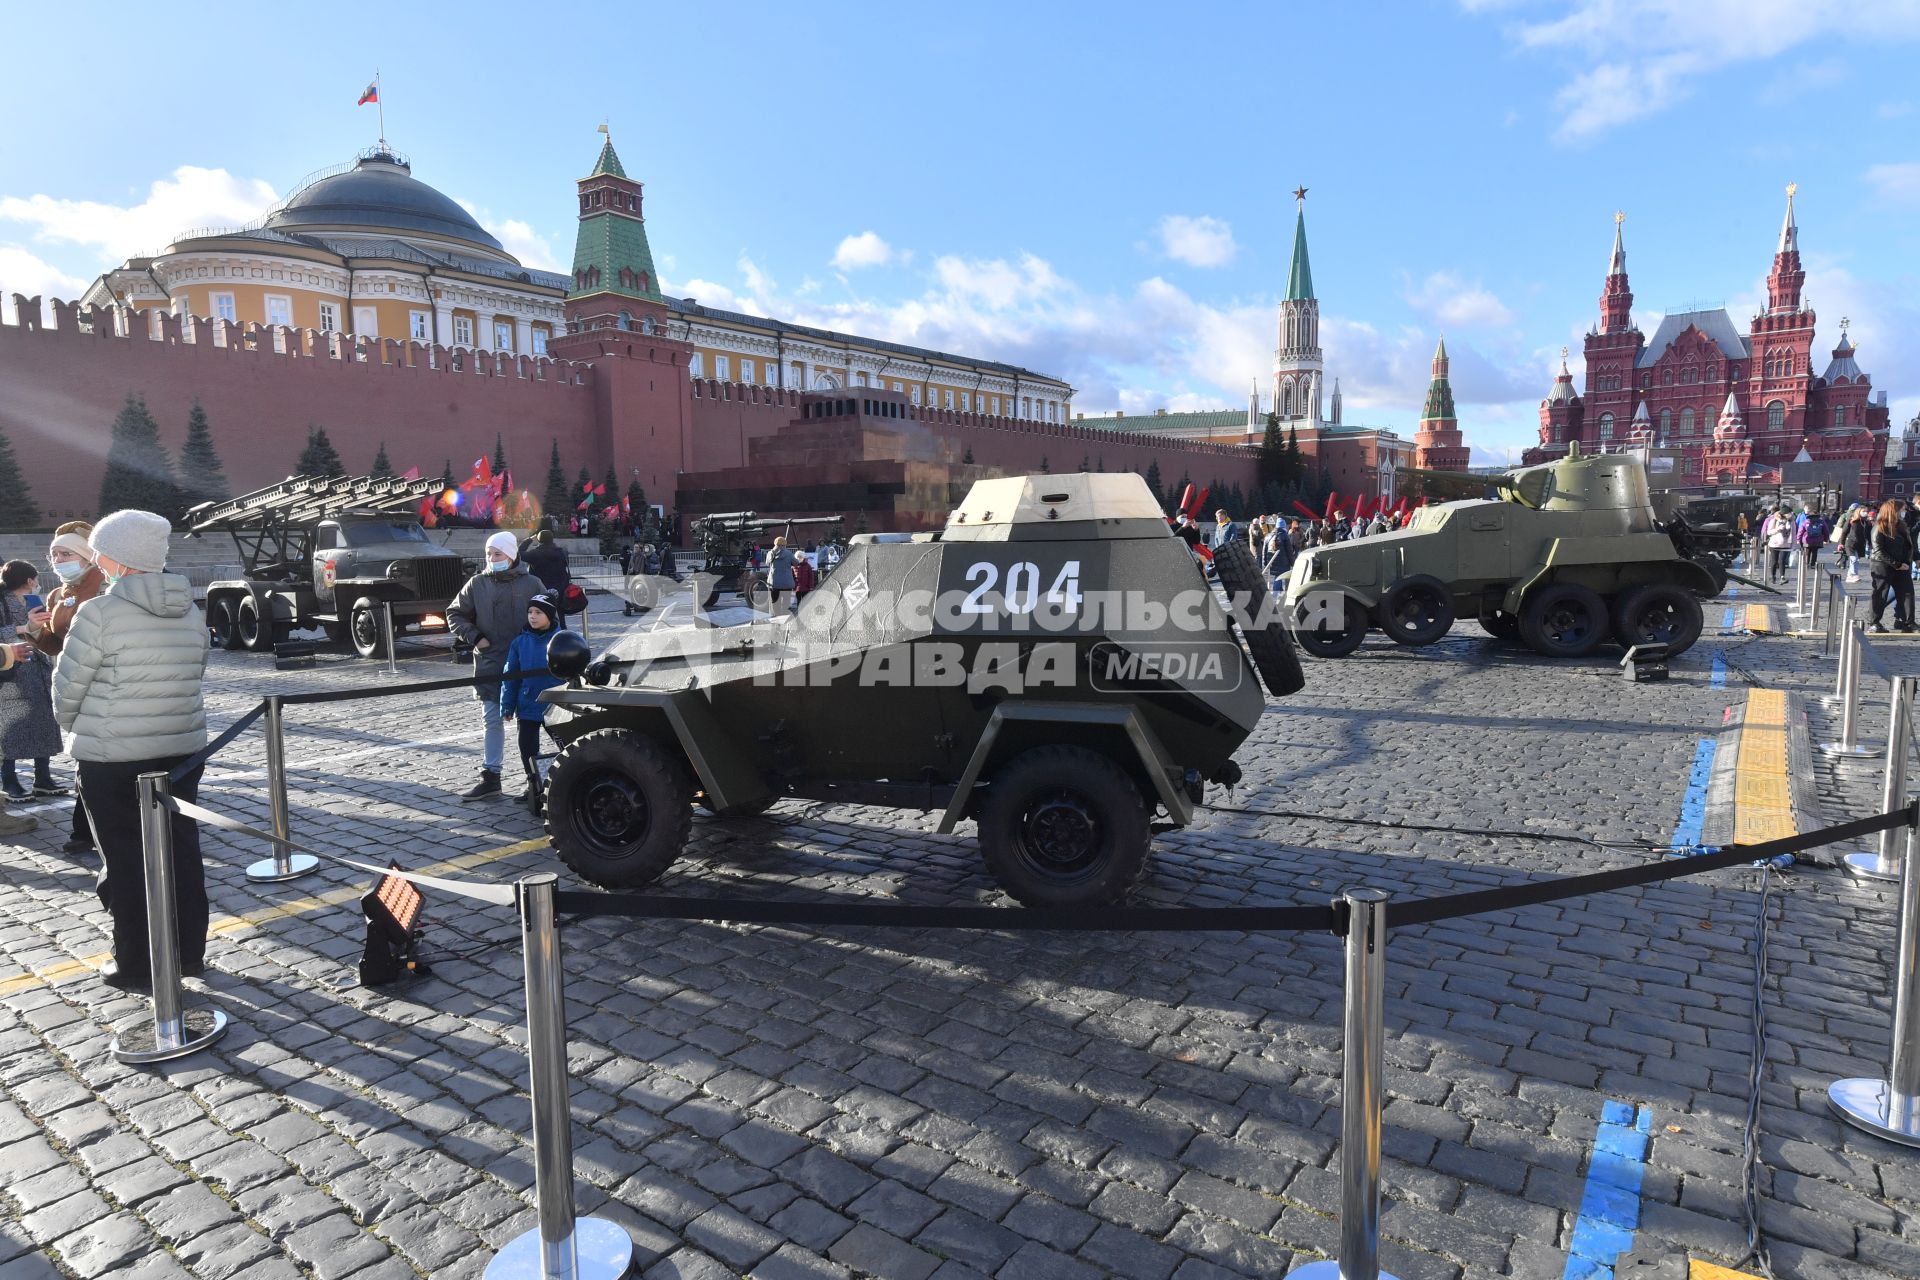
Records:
x=1733, y=408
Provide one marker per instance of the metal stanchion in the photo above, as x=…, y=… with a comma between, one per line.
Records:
x=284, y=864
x=561, y=1247
x=585, y=609
x=1800, y=583
x=1836, y=605
x=1848, y=747
x=1816, y=590
x=386, y=629
x=1885, y=864
x=1850, y=640
x=1890, y=1108
x=1364, y=1037
x=173, y=1033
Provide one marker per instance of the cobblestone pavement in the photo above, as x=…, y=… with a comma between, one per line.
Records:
x=780, y=1103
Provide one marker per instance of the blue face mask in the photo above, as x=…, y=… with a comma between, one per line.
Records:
x=71, y=570
x=111, y=578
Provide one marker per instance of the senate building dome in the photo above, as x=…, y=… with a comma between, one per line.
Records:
x=379, y=193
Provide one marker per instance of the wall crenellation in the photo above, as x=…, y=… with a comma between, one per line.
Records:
x=231, y=339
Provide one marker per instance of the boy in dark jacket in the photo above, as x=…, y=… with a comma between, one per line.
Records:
x=520, y=699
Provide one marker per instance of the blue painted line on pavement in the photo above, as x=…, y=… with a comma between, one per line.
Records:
x=1693, y=805
x=1610, y=1203
x=1719, y=678
x=1726, y=623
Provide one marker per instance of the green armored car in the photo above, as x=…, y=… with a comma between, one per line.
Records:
x=1052, y=665
x=1565, y=556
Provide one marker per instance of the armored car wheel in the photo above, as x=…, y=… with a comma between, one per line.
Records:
x=1269, y=646
x=1500, y=624
x=1333, y=636
x=619, y=807
x=1564, y=620
x=1416, y=610
x=1064, y=827
x=223, y=629
x=1657, y=613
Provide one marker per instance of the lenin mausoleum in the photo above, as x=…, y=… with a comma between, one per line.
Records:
x=374, y=306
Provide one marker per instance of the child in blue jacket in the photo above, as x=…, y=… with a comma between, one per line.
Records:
x=520, y=699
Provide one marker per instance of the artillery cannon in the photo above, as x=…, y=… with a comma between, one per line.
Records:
x=1563, y=555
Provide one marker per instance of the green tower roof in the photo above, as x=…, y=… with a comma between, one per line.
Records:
x=608, y=241
x=1300, y=278
x=609, y=163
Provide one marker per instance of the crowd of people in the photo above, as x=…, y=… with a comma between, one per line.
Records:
x=1276, y=541
x=1880, y=539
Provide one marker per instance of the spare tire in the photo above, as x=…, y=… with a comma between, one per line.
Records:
x=1270, y=647
x=1416, y=610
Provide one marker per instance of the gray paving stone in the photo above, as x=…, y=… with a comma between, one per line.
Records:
x=869, y=1249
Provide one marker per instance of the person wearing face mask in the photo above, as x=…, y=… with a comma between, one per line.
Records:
x=128, y=689
x=80, y=580
x=487, y=615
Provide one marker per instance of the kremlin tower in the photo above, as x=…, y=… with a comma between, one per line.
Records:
x=1437, y=443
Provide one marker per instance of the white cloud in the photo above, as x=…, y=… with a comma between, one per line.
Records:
x=759, y=282
x=1459, y=304
x=191, y=198
x=1895, y=183
x=1199, y=242
x=1644, y=56
x=864, y=250
x=22, y=273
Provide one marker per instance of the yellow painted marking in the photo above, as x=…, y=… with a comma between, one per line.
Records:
x=1759, y=618
x=263, y=915
x=1762, y=793
x=1698, y=1270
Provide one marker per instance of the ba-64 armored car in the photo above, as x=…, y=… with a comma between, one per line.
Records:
x=1052, y=664
x=1566, y=555
x=329, y=552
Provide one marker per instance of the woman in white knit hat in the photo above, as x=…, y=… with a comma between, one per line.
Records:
x=489, y=612
x=128, y=688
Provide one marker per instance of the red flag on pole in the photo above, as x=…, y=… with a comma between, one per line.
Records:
x=1304, y=509
x=1333, y=506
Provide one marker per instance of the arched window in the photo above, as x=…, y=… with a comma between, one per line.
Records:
x=1289, y=332
x=1776, y=415
x=1606, y=427
x=1839, y=416
x=1689, y=375
x=1666, y=423
x=626, y=320
x=1686, y=422
x=1286, y=398
x=1666, y=377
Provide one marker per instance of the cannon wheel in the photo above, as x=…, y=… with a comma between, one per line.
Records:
x=619, y=807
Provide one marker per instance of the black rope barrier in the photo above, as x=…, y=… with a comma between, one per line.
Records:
x=580, y=904
x=397, y=690
x=207, y=752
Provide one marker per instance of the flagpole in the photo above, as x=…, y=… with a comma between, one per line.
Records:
x=380, y=103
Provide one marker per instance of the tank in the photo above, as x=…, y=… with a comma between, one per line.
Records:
x=1051, y=665
x=1565, y=556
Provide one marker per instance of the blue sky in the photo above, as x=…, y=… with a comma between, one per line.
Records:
x=1099, y=191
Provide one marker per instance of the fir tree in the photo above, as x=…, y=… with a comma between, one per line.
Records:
x=18, y=512
x=319, y=458
x=613, y=487
x=446, y=474
x=636, y=498
x=202, y=478
x=1046, y=468
x=139, y=473
x=556, y=500
x=499, y=455
x=1296, y=461
x=1272, y=466
x=382, y=469
x=1175, y=494
x=1083, y=462
x=1153, y=483
x=966, y=459
x=1101, y=464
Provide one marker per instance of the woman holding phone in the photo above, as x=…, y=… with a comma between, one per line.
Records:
x=27, y=727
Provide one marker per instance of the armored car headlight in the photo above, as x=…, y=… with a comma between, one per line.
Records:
x=568, y=655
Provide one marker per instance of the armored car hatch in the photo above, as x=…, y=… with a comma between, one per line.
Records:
x=1052, y=665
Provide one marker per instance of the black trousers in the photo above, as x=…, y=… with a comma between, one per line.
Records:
x=111, y=798
x=1895, y=588
x=529, y=733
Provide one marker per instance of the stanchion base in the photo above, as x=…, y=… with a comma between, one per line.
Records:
x=267, y=871
x=141, y=1045
x=1862, y=1103
x=1867, y=867
x=1841, y=751
x=602, y=1251
x=1323, y=1271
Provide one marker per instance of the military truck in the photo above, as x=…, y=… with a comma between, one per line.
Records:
x=333, y=553
x=1051, y=665
x=1565, y=556
x=726, y=540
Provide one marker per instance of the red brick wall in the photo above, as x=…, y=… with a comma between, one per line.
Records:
x=60, y=389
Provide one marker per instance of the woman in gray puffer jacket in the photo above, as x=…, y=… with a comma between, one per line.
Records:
x=128, y=687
